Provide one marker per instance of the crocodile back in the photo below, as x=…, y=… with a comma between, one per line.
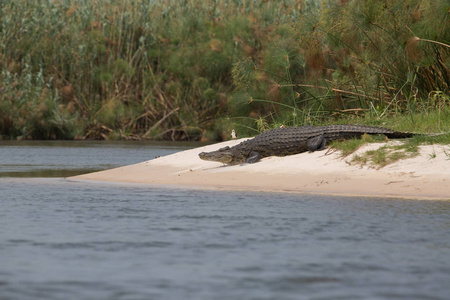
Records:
x=292, y=140
x=281, y=141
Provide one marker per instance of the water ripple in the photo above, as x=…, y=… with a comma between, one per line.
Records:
x=66, y=240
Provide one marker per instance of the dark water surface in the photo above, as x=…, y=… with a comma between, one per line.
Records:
x=62, y=239
x=70, y=158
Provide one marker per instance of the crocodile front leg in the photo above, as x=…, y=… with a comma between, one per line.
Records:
x=253, y=157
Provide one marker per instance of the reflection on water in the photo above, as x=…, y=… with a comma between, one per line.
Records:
x=52, y=172
x=70, y=158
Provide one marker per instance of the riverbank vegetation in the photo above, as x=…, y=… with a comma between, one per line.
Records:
x=191, y=70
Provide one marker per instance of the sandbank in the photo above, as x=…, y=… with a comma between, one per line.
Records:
x=426, y=176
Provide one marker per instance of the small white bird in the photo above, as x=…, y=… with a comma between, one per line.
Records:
x=233, y=134
x=282, y=126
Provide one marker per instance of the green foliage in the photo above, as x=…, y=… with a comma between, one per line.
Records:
x=197, y=69
x=363, y=59
x=30, y=110
x=348, y=147
x=386, y=155
x=389, y=153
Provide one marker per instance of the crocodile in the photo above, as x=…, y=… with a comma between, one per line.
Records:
x=293, y=140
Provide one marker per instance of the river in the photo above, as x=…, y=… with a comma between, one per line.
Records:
x=64, y=239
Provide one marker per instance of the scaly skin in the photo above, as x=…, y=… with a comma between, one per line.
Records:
x=292, y=140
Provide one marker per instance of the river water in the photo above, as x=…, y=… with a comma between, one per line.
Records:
x=63, y=239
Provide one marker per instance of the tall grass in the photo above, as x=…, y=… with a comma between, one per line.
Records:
x=122, y=68
x=110, y=69
x=363, y=58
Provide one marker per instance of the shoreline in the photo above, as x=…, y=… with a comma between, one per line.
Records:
x=421, y=177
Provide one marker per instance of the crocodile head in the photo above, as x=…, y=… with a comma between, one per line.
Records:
x=224, y=155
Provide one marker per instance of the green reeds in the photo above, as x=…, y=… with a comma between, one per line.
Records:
x=192, y=69
x=359, y=58
x=122, y=68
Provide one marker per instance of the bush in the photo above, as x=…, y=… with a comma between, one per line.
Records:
x=173, y=69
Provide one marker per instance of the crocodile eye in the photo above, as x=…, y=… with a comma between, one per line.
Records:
x=224, y=148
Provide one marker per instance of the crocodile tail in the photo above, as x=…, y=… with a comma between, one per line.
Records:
x=399, y=135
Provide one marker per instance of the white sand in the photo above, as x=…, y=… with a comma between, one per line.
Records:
x=426, y=176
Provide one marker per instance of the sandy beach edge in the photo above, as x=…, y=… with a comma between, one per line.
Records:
x=425, y=177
